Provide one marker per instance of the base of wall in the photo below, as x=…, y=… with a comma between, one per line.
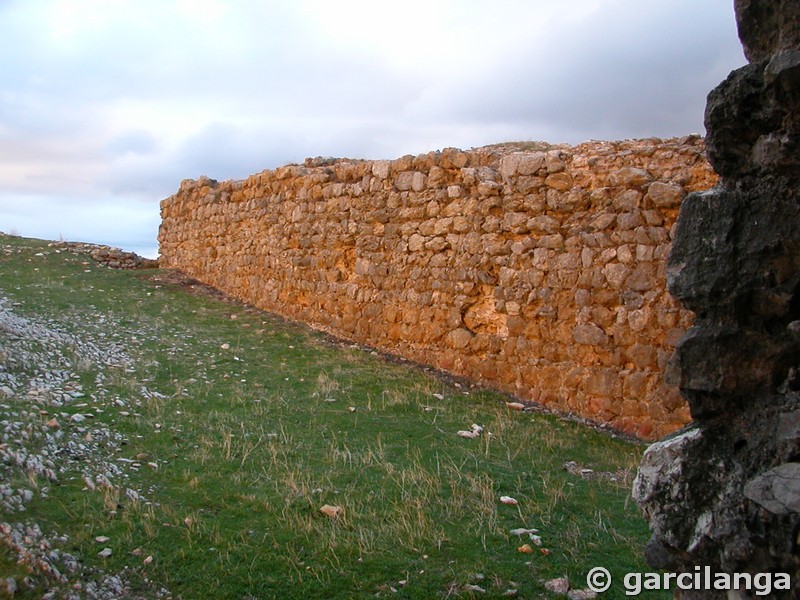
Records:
x=538, y=272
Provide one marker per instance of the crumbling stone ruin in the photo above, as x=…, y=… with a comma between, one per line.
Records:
x=726, y=491
x=113, y=258
x=537, y=269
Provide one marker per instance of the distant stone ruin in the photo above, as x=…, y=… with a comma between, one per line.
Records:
x=113, y=258
x=537, y=269
x=725, y=493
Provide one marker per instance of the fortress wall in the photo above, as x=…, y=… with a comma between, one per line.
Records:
x=539, y=270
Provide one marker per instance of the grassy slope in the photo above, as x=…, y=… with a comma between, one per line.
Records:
x=250, y=441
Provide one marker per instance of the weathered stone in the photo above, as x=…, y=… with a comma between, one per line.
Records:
x=727, y=492
x=628, y=200
x=416, y=243
x=766, y=27
x=559, y=181
x=642, y=278
x=460, y=338
x=776, y=490
x=629, y=177
x=419, y=182
x=380, y=168
x=665, y=195
x=454, y=191
x=443, y=258
x=406, y=181
x=554, y=161
x=589, y=334
x=529, y=164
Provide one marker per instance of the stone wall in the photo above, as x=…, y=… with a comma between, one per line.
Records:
x=537, y=269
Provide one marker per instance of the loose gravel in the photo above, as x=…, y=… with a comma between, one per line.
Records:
x=48, y=434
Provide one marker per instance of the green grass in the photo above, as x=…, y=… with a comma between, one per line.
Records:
x=245, y=425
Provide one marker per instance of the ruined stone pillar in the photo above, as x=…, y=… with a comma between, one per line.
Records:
x=726, y=491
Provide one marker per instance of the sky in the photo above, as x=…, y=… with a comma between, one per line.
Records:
x=106, y=105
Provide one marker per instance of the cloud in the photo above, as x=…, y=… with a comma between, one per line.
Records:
x=628, y=69
x=118, y=101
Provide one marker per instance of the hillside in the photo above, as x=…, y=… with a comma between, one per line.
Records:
x=161, y=443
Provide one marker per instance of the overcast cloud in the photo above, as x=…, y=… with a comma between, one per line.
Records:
x=106, y=105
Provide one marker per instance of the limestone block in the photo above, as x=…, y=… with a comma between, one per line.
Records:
x=604, y=221
x=509, y=164
x=629, y=177
x=589, y=334
x=642, y=278
x=452, y=158
x=416, y=243
x=455, y=191
x=628, y=200
x=665, y=195
x=554, y=161
x=437, y=176
x=616, y=274
x=489, y=188
x=419, y=181
x=630, y=220
x=530, y=163
x=559, y=181
x=543, y=224
x=404, y=181
x=603, y=382
x=625, y=254
x=554, y=241
x=516, y=222
x=460, y=338
x=461, y=224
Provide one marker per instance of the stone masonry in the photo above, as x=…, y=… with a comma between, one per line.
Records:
x=537, y=269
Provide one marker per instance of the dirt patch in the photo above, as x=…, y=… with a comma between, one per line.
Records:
x=178, y=279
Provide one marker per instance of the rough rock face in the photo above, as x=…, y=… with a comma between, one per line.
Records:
x=726, y=492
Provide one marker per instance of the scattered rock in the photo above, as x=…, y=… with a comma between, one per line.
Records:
x=40, y=362
x=581, y=595
x=9, y=586
x=557, y=586
x=474, y=432
x=331, y=511
x=114, y=258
